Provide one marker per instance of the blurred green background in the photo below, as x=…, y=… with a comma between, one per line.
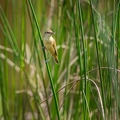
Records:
x=86, y=84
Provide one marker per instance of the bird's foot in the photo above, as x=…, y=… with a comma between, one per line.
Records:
x=43, y=47
x=46, y=61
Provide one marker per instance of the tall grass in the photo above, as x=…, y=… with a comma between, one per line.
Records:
x=86, y=83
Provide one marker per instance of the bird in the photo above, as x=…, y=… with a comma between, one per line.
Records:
x=50, y=44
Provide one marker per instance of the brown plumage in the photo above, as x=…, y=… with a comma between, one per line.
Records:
x=50, y=45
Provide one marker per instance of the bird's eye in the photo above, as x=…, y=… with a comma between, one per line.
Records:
x=47, y=32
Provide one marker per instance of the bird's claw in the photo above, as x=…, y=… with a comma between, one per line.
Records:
x=46, y=61
x=43, y=47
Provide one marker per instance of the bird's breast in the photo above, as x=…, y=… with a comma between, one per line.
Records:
x=48, y=43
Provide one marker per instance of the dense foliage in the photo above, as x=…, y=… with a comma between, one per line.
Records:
x=85, y=85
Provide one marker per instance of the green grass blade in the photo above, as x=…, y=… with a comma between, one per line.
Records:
x=98, y=59
x=84, y=57
x=9, y=32
x=38, y=56
x=51, y=81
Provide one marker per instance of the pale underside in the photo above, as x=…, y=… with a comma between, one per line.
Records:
x=50, y=45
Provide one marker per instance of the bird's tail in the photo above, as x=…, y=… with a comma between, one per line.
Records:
x=56, y=59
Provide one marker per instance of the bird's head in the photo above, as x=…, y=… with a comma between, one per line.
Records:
x=48, y=33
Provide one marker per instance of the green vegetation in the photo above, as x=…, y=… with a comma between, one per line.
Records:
x=85, y=86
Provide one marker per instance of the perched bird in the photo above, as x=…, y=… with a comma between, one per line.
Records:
x=50, y=44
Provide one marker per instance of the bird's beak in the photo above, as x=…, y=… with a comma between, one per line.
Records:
x=53, y=32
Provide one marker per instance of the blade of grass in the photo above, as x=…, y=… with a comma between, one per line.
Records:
x=38, y=56
x=5, y=110
x=84, y=57
x=22, y=63
x=118, y=54
x=115, y=18
x=76, y=28
x=50, y=77
x=98, y=59
x=8, y=30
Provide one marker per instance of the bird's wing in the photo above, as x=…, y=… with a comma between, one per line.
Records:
x=54, y=46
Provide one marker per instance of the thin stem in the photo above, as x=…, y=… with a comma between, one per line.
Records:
x=48, y=70
x=98, y=59
x=84, y=55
